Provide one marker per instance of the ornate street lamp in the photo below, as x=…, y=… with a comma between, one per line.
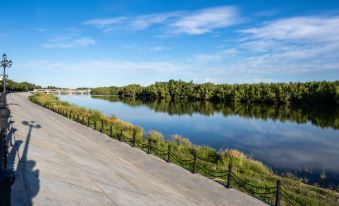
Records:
x=5, y=63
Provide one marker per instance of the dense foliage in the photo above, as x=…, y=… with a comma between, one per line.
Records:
x=279, y=93
x=252, y=171
x=18, y=86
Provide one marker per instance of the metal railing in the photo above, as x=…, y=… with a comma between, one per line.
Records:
x=7, y=176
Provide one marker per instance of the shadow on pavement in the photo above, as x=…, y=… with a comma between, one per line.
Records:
x=25, y=175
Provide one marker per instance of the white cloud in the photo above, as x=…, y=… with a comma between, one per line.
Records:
x=193, y=23
x=309, y=28
x=110, y=65
x=69, y=42
x=206, y=20
x=104, y=22
x=298, y=45
x=144, y=21
x=159, y=48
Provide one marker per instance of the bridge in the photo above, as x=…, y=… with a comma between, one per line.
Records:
x=63, y=91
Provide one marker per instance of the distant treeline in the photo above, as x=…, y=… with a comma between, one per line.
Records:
x=18, y=86
x=278, y=93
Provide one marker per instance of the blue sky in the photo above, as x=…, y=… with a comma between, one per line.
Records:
x=77, y=43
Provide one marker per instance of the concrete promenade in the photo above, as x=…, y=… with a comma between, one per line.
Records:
x=60, y=162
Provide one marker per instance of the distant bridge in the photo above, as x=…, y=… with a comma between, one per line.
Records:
x=63, y=91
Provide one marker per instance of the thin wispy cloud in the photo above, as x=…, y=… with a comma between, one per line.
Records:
x=100, y=23
x=309, y=28
x=159, y=48
x=145, y=21
x=69, y=42
x=295, y=45
x=193, y=23
x=206, y=20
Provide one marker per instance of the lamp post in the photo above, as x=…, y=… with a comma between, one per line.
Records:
x=7, y=176
x=5, y=63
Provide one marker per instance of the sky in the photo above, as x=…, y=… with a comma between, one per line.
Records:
x=87, y=43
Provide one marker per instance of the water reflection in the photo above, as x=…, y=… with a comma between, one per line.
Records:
x=321, y=116
x=298, y=140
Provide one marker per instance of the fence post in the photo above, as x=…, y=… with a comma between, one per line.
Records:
x=229, y=176
x=102, y=126
x=194, y=161
x=134, y=138
x=111, y=131
x=120, y=136
x=169, y=154
x=277, y=195
x=149, y=146
x=88, y=122
x=95, y=124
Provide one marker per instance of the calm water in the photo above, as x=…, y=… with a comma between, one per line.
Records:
x=301, y=141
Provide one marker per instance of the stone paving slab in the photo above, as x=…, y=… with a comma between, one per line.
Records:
x=60, y=162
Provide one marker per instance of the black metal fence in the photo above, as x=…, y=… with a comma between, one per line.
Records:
x=7, y=176
x=274, y=195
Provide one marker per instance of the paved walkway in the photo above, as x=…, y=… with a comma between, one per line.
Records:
x=60, y=162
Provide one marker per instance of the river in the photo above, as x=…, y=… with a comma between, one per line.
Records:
x=298, y=141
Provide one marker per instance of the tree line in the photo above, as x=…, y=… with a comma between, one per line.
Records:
x=18, y=86
x=275, y=93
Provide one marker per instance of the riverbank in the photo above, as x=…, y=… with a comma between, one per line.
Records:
x=255, y=173
x=58, y=161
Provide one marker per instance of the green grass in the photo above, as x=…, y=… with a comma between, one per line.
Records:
x=209, y=162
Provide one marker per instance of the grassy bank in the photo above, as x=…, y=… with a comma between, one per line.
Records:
x=246, y=174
